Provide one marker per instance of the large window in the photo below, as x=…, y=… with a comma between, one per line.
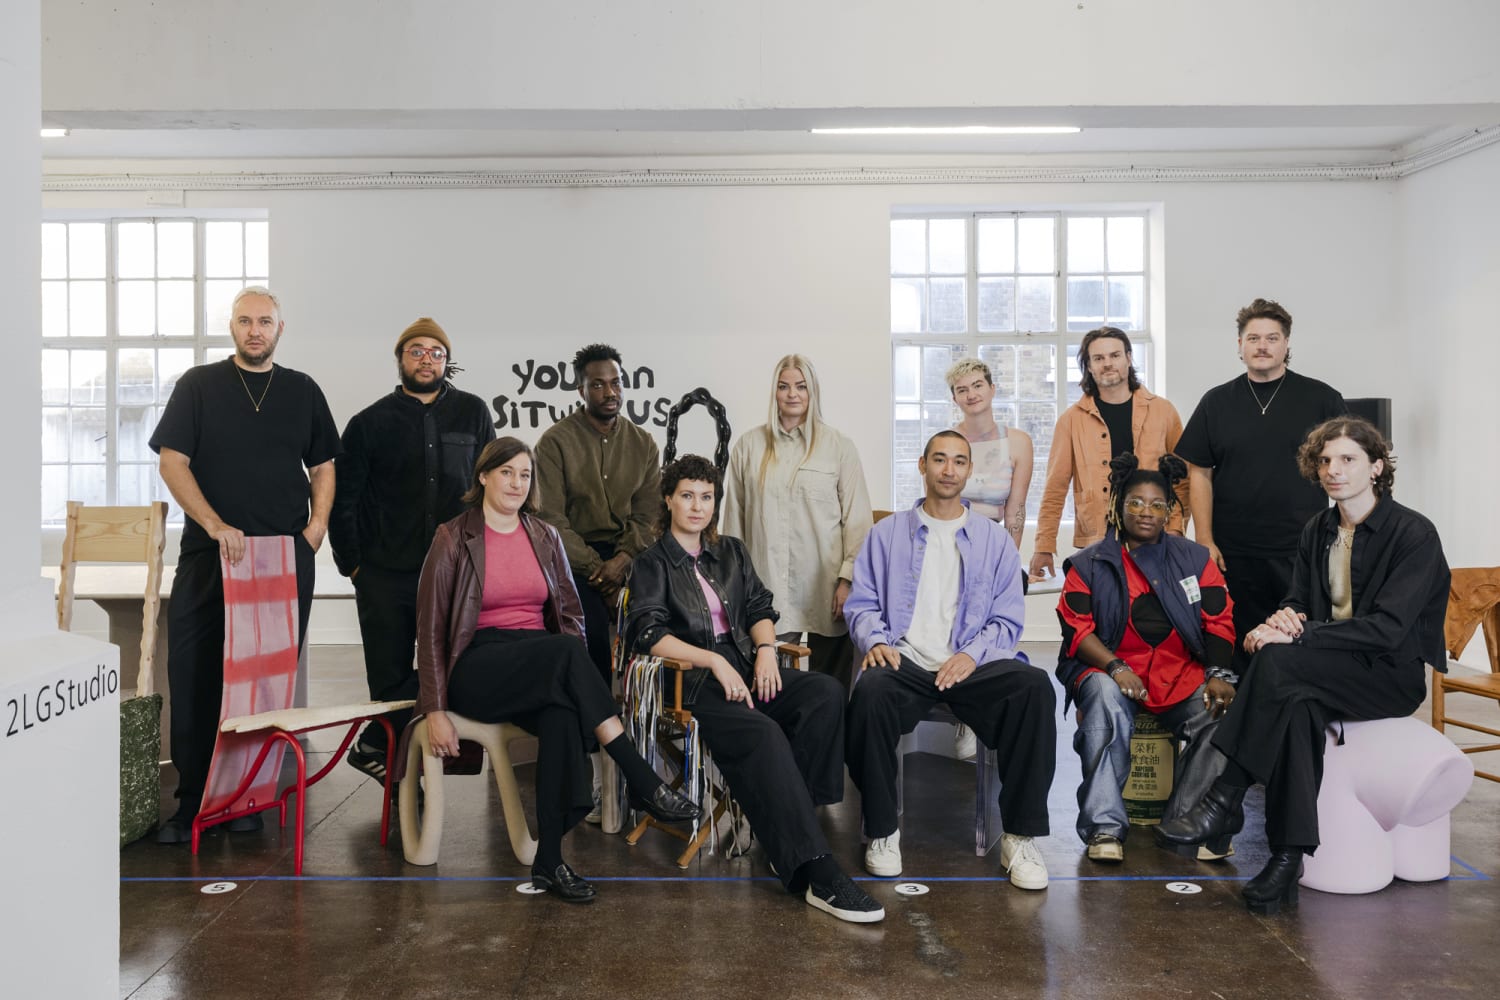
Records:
x=128, y=305
x=1018, y=291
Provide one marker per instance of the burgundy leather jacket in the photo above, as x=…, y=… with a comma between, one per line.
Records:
x=449, y=597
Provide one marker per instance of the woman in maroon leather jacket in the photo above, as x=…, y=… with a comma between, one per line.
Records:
x=500, y=639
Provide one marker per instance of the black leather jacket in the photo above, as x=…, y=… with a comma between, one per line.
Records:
x=665, y=598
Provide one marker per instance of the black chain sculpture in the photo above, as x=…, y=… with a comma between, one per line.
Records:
x=721, y=425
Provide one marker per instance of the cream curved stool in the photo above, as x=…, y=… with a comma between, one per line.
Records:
x=422, y=836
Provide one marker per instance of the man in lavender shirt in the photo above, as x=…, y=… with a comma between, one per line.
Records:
x=935, y=610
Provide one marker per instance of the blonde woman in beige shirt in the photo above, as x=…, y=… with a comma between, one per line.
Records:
x=795, y=493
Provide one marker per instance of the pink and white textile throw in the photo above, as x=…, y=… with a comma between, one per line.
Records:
x=260, y=668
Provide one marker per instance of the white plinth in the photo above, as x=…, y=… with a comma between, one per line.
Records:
x=60, y=842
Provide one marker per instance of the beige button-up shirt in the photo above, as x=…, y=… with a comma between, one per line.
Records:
x=804, y=528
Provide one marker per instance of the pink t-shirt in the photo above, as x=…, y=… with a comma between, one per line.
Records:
x=514, y=588
x=715, y=606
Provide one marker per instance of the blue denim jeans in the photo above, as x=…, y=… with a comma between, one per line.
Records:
x=1106, y=719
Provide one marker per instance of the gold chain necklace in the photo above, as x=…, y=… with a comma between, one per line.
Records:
x=253, y=401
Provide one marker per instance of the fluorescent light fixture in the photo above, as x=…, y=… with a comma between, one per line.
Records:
x=951, y=130
x=54, y=133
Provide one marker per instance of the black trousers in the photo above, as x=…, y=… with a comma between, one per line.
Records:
x=1009, y=704
x=781, y=758
x=195, y=659
x=1275, y=727
x=598, y=616
x=1258, y=585
x=386, y=600
x=544, y=683
x=832, y=655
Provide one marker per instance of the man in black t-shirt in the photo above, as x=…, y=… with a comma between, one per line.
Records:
x=408, y=458
x=234, y=441
x=1249, y=501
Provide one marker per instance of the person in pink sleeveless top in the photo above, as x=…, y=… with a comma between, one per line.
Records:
x=500, y=639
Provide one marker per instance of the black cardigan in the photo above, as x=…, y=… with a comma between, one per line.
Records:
x=1400, y=582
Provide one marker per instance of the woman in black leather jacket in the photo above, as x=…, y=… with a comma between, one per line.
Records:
x=695, y=597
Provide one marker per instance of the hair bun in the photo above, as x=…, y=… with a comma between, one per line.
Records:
x=1173, y=469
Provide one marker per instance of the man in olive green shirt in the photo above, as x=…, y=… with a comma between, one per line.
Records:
x=599, y=483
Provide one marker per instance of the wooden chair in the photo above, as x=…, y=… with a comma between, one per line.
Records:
x=1473, y=600
x=663, y=726
x=135, y=535
x=116, y=535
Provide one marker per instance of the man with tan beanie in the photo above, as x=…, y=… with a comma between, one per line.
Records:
x=407, y=461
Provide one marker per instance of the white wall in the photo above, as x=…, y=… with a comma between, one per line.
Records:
x=60, y=915
x=1447, y=439
x=710, y=285
x=355, y=56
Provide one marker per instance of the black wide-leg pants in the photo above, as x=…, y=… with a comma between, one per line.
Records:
x=1009, y=704
x=195, y=659
x=546, y=684
x=386, y=600
x=780, y=758
x=1275, y=727
x=598, y=615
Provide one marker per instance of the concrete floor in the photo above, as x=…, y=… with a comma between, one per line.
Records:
x=363, y=924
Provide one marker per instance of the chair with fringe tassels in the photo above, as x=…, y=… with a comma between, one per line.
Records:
x=663, y=727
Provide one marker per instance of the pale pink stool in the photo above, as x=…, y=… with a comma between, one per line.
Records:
x=1383, y=808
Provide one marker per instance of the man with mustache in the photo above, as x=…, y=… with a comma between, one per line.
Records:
x=1249, y=500
x=936, y=610
x=408, y=458
x=247, y=449
x=1116, y=414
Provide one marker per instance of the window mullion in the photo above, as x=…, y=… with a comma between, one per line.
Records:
x=1060, y=296
x=111, y=362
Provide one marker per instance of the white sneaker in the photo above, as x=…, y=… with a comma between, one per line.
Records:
x=883, y=856
x=1020, y=857
x=965, y=746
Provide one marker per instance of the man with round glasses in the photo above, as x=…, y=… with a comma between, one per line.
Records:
x=407, y=460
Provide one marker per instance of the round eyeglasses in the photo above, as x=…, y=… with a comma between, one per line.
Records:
x=1138, y=506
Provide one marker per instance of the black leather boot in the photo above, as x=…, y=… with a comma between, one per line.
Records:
x=1276, y=885
x=1215, y=819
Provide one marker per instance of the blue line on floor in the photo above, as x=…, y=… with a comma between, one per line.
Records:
x=1475, y=875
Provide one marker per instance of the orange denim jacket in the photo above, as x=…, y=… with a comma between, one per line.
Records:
x=1080, y=455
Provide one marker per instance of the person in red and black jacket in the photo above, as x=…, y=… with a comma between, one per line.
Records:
x=1147, y=623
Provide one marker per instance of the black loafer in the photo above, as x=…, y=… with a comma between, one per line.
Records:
x=176, y=830
x=667, y=805
x=565, y=883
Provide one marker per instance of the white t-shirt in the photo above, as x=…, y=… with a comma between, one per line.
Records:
x=929, y=640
